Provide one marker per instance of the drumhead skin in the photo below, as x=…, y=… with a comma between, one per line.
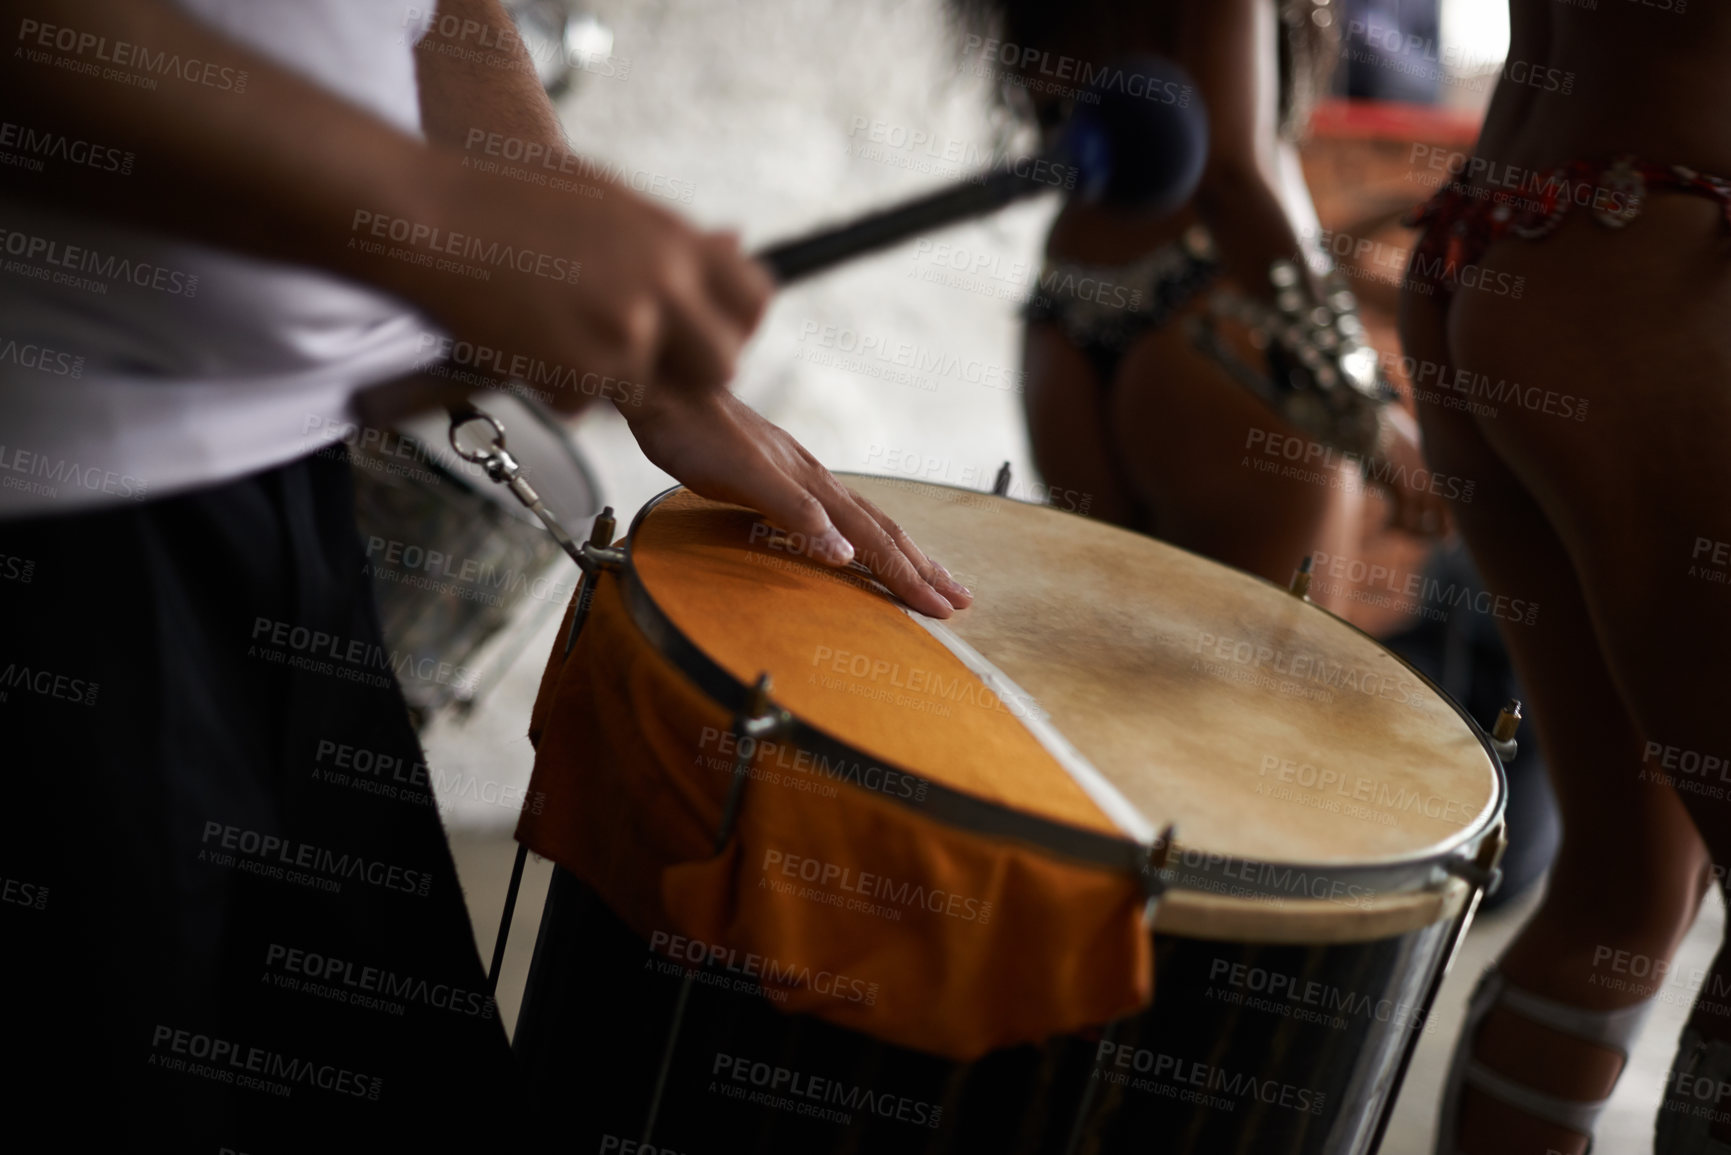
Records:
x=1264, y=728
x=1261, y=724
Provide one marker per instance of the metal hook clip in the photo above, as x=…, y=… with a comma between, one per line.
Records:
x=505, y=469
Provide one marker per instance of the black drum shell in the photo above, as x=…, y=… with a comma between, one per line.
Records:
x=596, y=1014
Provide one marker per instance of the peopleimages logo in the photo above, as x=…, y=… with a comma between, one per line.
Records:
x=809, y=1091
x=36, y=144
x=225, y=1061
x=885, y=780
x=42, y=358
x=1427, y=595
x=1285, y=990
x=35, y=896
x=762, y=970
x=434, y=240
x=823, y=875
x=19, y=469
x=47, y=683
x=444, y=356
x=268, y=855
x=1031, y=63
x=367, y=986
x=927, y=690
x=536, y=162
x=352, y=658
x=1170, y=1075
x=1324, y=672
x=74, y=259
x=124, y=54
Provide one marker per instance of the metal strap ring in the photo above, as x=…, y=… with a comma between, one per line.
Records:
x=467, y=415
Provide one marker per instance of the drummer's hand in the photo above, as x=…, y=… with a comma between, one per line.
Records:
x=618, y=292
x=1416, y=509
x=717, y=446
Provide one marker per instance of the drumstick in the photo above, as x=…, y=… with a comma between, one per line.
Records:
x=1137, y=140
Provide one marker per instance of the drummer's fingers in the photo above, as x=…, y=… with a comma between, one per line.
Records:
x=878, y=550
x=789, y=504
x=934, y=574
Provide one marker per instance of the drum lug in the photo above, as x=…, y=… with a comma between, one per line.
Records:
x=605, y=559
x=1482, y=870
x=1300, y=585
x=594, y=557
x=1469, y=871
x=1156, y=877
x=1503, y=731
x=762, y=719
x=1483, y=874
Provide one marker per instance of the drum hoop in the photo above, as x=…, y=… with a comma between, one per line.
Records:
x=1216, y=874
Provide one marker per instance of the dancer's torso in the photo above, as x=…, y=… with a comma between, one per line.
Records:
x=1646, y=78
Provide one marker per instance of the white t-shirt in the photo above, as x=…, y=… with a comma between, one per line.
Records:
x=133, y=366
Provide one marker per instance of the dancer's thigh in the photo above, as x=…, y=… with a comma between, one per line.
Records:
x=1634, y=325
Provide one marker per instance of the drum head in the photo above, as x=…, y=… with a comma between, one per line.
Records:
x=1103, y=686
x=1262, y=726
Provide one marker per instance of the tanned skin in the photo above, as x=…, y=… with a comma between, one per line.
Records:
x=279, y=171
x=1599, y=521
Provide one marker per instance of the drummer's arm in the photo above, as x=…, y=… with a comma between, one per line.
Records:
x=479, y=95
x=479, y=91
x=247, y=155
x=251, y=156
x=1228, y=48
x=285, y=170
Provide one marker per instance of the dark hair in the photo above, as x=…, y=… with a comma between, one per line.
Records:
x=1309, y=44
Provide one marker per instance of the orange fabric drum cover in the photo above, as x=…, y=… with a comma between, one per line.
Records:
x=842, y=901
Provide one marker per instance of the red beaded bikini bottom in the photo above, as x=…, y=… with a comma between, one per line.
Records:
x=1463, y=219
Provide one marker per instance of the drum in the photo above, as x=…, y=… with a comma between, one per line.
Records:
x=1138, y=853
x=457, y=563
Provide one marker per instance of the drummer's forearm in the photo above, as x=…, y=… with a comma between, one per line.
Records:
x=238, y=153
x=479, y=91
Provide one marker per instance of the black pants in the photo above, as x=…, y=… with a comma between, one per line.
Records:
x=229, y=919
